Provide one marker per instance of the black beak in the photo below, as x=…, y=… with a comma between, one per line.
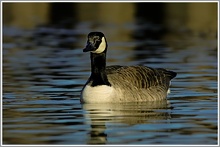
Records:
x=89, y=47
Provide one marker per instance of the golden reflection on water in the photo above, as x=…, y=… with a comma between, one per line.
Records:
x=25, y=15
x=199, y=17
x=196, y=16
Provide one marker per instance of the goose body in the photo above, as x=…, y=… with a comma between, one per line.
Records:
x=113, y=84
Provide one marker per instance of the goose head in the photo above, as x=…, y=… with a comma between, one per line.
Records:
x=96, y=43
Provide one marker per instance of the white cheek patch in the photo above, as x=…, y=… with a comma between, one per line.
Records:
x=101, y=48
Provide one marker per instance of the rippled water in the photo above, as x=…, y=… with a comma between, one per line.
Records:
x=44, y=70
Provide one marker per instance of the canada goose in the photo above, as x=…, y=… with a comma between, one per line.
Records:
x=113, y=84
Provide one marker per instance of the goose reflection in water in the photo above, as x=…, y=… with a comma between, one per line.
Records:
x=103, y=117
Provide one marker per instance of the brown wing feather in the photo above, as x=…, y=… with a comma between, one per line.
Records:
x=140, y=76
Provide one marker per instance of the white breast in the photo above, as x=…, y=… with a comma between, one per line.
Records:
x=98, y=94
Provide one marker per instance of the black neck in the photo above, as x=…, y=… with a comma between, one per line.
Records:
x=98, y=65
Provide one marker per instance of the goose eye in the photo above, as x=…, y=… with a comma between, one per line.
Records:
x=97, y=41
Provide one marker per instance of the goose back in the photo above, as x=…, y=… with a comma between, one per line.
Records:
x=140, y=82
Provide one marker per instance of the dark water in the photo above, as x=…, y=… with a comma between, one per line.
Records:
x=44, y=70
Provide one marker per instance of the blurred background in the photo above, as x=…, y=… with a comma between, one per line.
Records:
x=201, y=17
x=135, y=25
x=44, y=70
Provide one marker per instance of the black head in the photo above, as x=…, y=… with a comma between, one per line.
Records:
x=96, y=43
